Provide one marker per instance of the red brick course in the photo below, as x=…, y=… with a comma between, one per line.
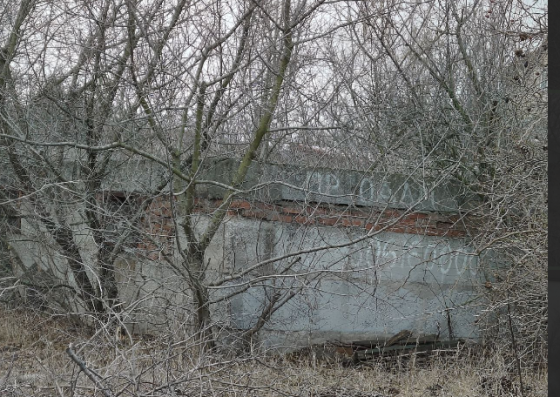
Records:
x=158, y=220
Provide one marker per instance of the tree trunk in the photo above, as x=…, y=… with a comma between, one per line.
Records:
x=203, y=320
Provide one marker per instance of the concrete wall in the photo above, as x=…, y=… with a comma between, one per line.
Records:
x=372, y=289
x=345, y=187
x=410, y=267
x=416, y=271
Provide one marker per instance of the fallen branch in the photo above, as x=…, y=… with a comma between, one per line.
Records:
x=89, y=373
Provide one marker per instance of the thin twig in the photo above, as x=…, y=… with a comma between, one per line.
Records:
x=90, y=374
x=515, y=352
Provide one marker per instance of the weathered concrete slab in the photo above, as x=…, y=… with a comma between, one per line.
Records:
x=284, y=182
x=372, y=289
x=276, y=182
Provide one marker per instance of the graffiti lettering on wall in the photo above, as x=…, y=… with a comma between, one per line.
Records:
x=369, y=191
x=401, y=256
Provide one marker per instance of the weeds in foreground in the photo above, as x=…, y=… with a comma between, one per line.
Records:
x=34, y=361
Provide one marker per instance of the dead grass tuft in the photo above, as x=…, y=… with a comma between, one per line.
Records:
x=34, y=363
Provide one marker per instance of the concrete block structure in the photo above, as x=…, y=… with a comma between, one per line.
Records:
x=369, y=255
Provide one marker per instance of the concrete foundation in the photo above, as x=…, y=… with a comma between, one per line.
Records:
x=368, y=256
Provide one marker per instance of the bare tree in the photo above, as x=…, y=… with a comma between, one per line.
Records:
x=168, y=85
x=467, y=94
x=111, y=109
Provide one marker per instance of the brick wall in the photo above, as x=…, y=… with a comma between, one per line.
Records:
x=158, y=222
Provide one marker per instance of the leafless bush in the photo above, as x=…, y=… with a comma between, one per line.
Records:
x=35, y=361
x=112, y=108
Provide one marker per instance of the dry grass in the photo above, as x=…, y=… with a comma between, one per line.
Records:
x=33, y=362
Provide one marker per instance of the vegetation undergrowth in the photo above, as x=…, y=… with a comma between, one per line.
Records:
x=34, y=362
